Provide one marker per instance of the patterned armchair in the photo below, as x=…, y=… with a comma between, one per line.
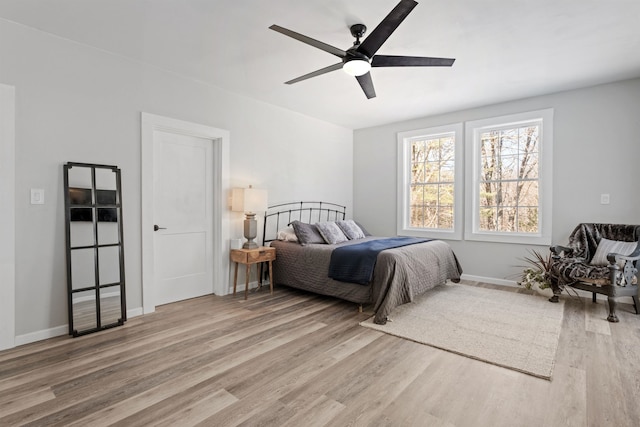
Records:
x=600, y=258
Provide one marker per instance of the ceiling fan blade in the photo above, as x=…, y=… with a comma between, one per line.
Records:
x=308, y=40
x=410, y=61
x=367, y=85
x=316, y=73
x=384, y=29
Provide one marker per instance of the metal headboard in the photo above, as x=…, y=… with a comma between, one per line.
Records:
x=279, y=216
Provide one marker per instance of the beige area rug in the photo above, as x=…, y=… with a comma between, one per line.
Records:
x=508, y=329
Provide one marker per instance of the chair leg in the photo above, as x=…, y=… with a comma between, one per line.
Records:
x=557, y=290
x=593, y=297
x=612, y=310
x=635, y=303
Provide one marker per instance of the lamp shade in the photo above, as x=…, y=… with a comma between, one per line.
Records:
x=248, y=200
x=237, y=199
x=255, y=200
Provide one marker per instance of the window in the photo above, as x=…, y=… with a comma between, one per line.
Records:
x=430, y=182
x=509, y=178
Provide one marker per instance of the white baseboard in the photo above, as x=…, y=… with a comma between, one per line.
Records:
x=240, y=287
x=60, y=330
x=41, y=335
x=134, y=312
x=492, y=280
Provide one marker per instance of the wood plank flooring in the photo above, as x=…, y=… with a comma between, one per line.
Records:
x=297, y=359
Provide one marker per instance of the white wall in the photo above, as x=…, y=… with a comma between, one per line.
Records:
x=76, y=103
x=7, y=216
x=596, y=150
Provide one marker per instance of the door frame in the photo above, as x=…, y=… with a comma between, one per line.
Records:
x=151, y=123
x=7, y=218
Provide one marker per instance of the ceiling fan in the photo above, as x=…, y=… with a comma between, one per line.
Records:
x=358, y=59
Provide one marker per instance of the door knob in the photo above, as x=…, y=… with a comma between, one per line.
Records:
x=156, y=228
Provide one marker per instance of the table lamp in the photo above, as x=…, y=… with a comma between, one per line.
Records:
x=250, y=201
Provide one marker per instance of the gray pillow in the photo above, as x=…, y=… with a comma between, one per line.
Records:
x=331, y=233
x=350, y=229
x=307, y=233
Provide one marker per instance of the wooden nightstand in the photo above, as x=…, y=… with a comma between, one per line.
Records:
x=249, y=257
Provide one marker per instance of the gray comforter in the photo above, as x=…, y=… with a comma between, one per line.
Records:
x=399, y=276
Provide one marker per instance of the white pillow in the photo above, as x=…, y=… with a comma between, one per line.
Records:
x=287, y=234
x=607, y=246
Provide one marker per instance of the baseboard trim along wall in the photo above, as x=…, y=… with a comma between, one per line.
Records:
x=492, y=280
x=44, y=334
x=240, y=286
x=41, y=335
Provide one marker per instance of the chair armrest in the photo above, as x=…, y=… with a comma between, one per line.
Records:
x=613, y=258
x=628, y=270
x=557, y=251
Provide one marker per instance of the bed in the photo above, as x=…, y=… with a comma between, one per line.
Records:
x=399, y=274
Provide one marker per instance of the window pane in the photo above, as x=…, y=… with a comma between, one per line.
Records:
x=528, y=139
x=508, y=167
x=487, y=194
x=447, y=147
x=432, y=171
x=528, y=220
x=507, y=194
x=528, y=193
x=417, y=216
x=509, y=142
x=431, y=217
x=417, y=152
x=417, y=173
x=489, y=141
x=416, y=195
x=431, y=195
x=528, y=168
x=445, y=217
x=447, y=171
x=446, y=194
x=433, y=150
x=487, y=219
x=507, y=219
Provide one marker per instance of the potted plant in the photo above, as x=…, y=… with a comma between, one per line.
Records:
x=537, y=273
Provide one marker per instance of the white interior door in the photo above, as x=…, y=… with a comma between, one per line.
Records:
x=183, y=214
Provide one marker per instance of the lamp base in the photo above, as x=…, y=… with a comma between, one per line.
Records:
x=250, y=245
x=250, y=231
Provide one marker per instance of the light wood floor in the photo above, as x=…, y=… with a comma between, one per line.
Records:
x=295, y=359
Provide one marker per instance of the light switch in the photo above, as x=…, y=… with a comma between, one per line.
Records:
x=37, y=196
x=604, y=199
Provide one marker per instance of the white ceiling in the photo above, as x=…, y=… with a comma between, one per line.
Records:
x=504, y=49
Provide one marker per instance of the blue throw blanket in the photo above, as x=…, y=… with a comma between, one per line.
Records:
x=355, y=263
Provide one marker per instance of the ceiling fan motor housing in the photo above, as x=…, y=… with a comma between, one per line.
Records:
x=357, y=31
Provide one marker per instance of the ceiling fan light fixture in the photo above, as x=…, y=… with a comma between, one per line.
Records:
x=356, y=67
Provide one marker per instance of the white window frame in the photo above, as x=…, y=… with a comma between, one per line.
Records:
x=404, y=182
x=473, y=129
